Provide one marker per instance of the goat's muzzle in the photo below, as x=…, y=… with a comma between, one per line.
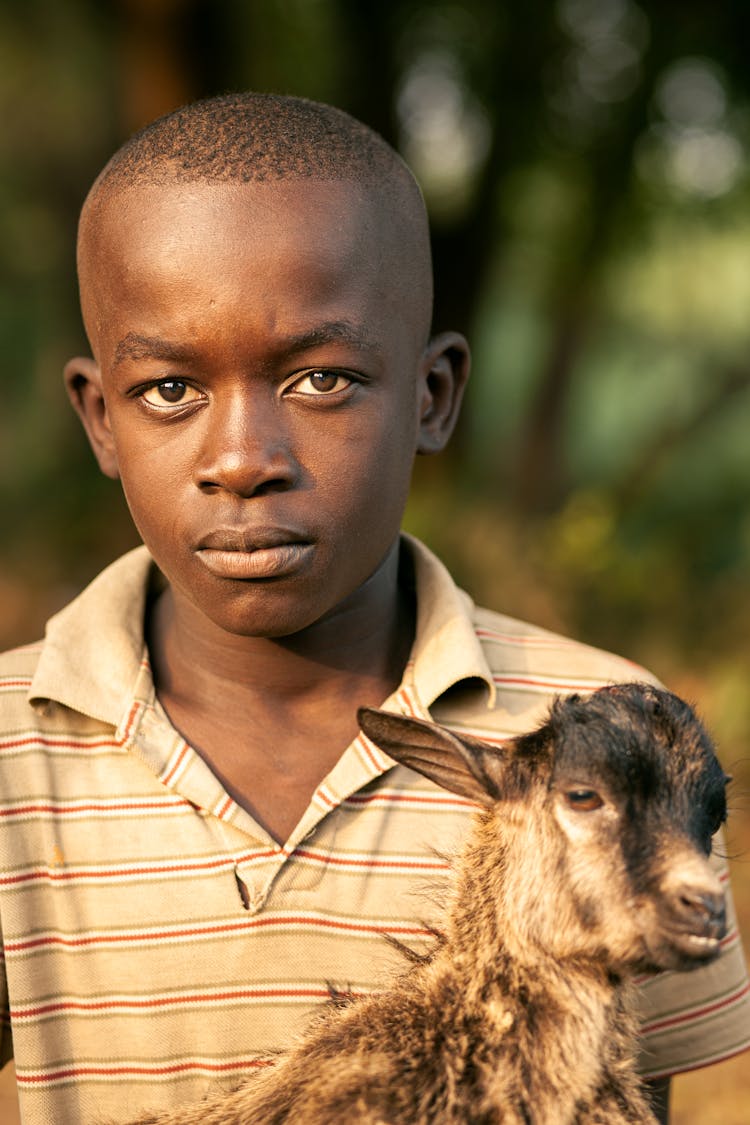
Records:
x=695, y=921
x=704, y=913
x=689, y=919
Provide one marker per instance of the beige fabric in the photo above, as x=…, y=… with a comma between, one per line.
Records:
x=157, y=941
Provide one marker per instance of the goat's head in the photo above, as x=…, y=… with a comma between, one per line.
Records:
x=612, y=803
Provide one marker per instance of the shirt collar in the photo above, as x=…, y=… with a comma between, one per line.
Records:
x=94, y=648
x=446, y=648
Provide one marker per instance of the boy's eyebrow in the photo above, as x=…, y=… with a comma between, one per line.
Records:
x=335, y=331
x=136, y=346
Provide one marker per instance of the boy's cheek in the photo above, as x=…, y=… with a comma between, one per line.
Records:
x=353, y=477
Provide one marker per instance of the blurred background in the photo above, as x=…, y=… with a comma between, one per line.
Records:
x=586, y=166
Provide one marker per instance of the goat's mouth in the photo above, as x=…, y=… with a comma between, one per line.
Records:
x=699, y=946
x=680, y=950
x=687, y=927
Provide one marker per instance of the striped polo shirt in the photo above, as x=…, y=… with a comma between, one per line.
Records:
x=158, y=943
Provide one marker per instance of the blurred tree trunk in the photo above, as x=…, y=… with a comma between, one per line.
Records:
x=541, y=476
x=155, y=68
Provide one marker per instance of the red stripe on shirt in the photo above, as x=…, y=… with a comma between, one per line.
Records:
x=128, y=728
x=62, y=743
x=547, y=685
x=152, y=1003
x=373, y=864
x=209, y=931
x=67, y=875
x=366, y=746
x=184, y=752
x=122, y=1070
x=410, y=799
x=61, y=809
x=697, y=1013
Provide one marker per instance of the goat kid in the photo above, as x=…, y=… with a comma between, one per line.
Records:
x=587, y=864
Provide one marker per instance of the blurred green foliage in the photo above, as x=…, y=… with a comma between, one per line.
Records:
x=586, y=167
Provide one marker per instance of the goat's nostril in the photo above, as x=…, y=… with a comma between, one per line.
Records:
x=703, y=909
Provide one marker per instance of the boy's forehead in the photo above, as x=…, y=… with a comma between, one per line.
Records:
x=173, y=211
x=129, y=229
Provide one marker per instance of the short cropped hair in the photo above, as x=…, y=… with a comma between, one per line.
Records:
x=252, y=137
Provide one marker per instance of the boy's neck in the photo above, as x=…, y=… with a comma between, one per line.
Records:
x=273, y=716
x=367, y=638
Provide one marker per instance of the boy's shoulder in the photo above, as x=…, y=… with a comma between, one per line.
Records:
x=17, y=666
x=496, y=675
x=525, y=655
x=90, y=655
x=501, y=649
x=17, y=670
x=114, y=597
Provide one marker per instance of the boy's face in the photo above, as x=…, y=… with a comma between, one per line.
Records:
x=261, y=385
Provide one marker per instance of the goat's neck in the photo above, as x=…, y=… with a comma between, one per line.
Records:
x=509, y=982
x=502, y=920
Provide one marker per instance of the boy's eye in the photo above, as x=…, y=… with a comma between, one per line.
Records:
x=321, y=383
x=170, y=392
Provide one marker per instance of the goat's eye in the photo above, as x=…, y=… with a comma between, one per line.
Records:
x=583, y=800
x=717, y=822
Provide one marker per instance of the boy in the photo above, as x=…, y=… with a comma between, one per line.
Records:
x=196, y=840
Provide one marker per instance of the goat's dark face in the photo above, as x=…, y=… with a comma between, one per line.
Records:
x=605, y=817
x=637, y=793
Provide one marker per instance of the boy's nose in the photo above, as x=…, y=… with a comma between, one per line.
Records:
x=245, y=450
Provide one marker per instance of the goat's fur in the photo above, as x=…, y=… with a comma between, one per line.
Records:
x=586, y=865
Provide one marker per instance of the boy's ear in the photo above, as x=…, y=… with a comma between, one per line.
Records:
x=443, y=371
x=83, y=382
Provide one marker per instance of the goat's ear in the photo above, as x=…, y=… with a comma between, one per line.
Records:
x=459, y=763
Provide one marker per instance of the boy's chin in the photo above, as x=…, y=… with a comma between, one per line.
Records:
x=310, y=591
x=269, y=622
x=274, y=610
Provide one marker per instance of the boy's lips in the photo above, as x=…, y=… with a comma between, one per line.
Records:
x=253, y=553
